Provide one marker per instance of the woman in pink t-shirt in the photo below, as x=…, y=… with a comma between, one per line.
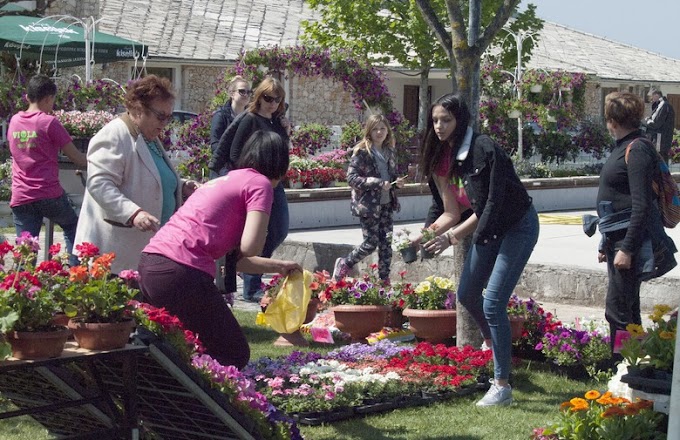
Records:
x=177, y=267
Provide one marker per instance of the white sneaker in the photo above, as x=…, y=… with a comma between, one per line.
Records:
x=484, y=347
x=497, y=395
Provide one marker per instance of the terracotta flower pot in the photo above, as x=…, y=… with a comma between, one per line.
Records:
x=101, y=335
x=38, y=345
x=360, y=321
x=516, y=327
x=434, y=326
x=60, y=319
x=312, y=308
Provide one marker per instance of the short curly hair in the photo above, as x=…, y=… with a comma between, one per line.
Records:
x=626, y=109
x=142, y=92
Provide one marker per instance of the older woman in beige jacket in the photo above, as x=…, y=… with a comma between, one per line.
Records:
x=132, y=188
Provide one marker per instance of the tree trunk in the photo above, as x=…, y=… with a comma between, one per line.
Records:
x=467, y=331
x=423, y=99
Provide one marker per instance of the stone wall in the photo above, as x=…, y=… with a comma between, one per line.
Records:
x=198, y=87
x=593, y=100
x=75, y=8
x=313, y=99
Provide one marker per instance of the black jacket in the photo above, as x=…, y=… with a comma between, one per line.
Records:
x=496, y=194
x=662, y=122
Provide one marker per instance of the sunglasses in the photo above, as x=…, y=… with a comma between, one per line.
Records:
x=244, y=92
x=162, y=117
x=270, y=99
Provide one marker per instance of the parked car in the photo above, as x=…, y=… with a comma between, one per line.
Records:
x=183, y=116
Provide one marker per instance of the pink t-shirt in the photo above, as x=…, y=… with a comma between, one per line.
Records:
x=455, y=183
x=210, y=224
x=35, y=139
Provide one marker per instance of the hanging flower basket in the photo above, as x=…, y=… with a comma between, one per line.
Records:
x=514, y=114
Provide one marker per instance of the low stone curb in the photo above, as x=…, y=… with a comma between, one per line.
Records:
x=552, y=283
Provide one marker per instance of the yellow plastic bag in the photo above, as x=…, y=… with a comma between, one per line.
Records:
x=286, y=313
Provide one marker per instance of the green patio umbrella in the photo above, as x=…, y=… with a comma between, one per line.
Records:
x=64, y=41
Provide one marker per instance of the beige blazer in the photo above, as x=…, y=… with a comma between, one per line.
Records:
x=121, y=178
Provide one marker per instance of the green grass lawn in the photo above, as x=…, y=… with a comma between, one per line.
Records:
x=537, y=393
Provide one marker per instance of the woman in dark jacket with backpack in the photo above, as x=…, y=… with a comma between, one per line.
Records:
x=626, y=192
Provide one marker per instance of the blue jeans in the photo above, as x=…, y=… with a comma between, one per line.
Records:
x=29, y=218
x=277, y=231
x=497, y=265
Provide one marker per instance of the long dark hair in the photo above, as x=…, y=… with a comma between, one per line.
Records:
x=431, y=148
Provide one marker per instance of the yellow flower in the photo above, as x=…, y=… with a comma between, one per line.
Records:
x=423, y=287
x=635, y=330
x=667, y=335
x=661, y=309
x=592, y=395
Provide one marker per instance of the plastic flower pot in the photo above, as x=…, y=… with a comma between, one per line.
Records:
x=514, y=114
x=409, y=254
x=536, y=88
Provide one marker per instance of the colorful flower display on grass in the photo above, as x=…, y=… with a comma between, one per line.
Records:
x=357, y=373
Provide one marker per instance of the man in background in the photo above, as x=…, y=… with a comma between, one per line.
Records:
x=661, y=123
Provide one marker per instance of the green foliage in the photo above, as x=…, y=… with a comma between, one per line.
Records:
x=6, y=180
x=383, y=31
x=351, y=134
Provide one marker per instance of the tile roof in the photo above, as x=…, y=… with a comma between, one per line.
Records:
x=205, y=29
x=560, y=47
x=220, y=29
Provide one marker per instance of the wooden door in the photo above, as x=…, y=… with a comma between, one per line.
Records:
x=674, y=101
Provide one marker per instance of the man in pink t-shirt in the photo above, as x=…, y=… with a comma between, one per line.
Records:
x=230, y=213
x=35, y=139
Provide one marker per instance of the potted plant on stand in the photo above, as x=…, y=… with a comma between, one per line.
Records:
x=27, y=303
x=430, y=309
x=359, y=305
x=99, y=303
x=83, y=125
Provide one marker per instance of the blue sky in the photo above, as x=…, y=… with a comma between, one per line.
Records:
x=651, y=24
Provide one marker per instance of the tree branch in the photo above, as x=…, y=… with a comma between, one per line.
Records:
x=458, y=28
x=439, y=30
x=500, y=18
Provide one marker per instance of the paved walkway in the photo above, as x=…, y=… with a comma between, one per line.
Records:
x=561, y=242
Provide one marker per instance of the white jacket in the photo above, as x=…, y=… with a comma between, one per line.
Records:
x=121, y=178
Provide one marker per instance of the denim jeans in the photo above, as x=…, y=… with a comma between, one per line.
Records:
x=277, y=231
x=498, y=265
x=29, y=218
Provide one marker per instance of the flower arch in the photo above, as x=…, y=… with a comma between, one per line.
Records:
x=365, y=83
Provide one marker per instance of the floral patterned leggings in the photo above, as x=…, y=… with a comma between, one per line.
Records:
x=375, y=232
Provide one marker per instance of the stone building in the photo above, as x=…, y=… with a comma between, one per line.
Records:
x=192, y=42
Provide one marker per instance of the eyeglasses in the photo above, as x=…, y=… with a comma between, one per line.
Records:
x=162, y=117
x=244, y=92
x=270, y=99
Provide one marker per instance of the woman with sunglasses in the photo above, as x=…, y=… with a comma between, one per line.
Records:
x=132, y=188
x=267, y=113
x=239, y=96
